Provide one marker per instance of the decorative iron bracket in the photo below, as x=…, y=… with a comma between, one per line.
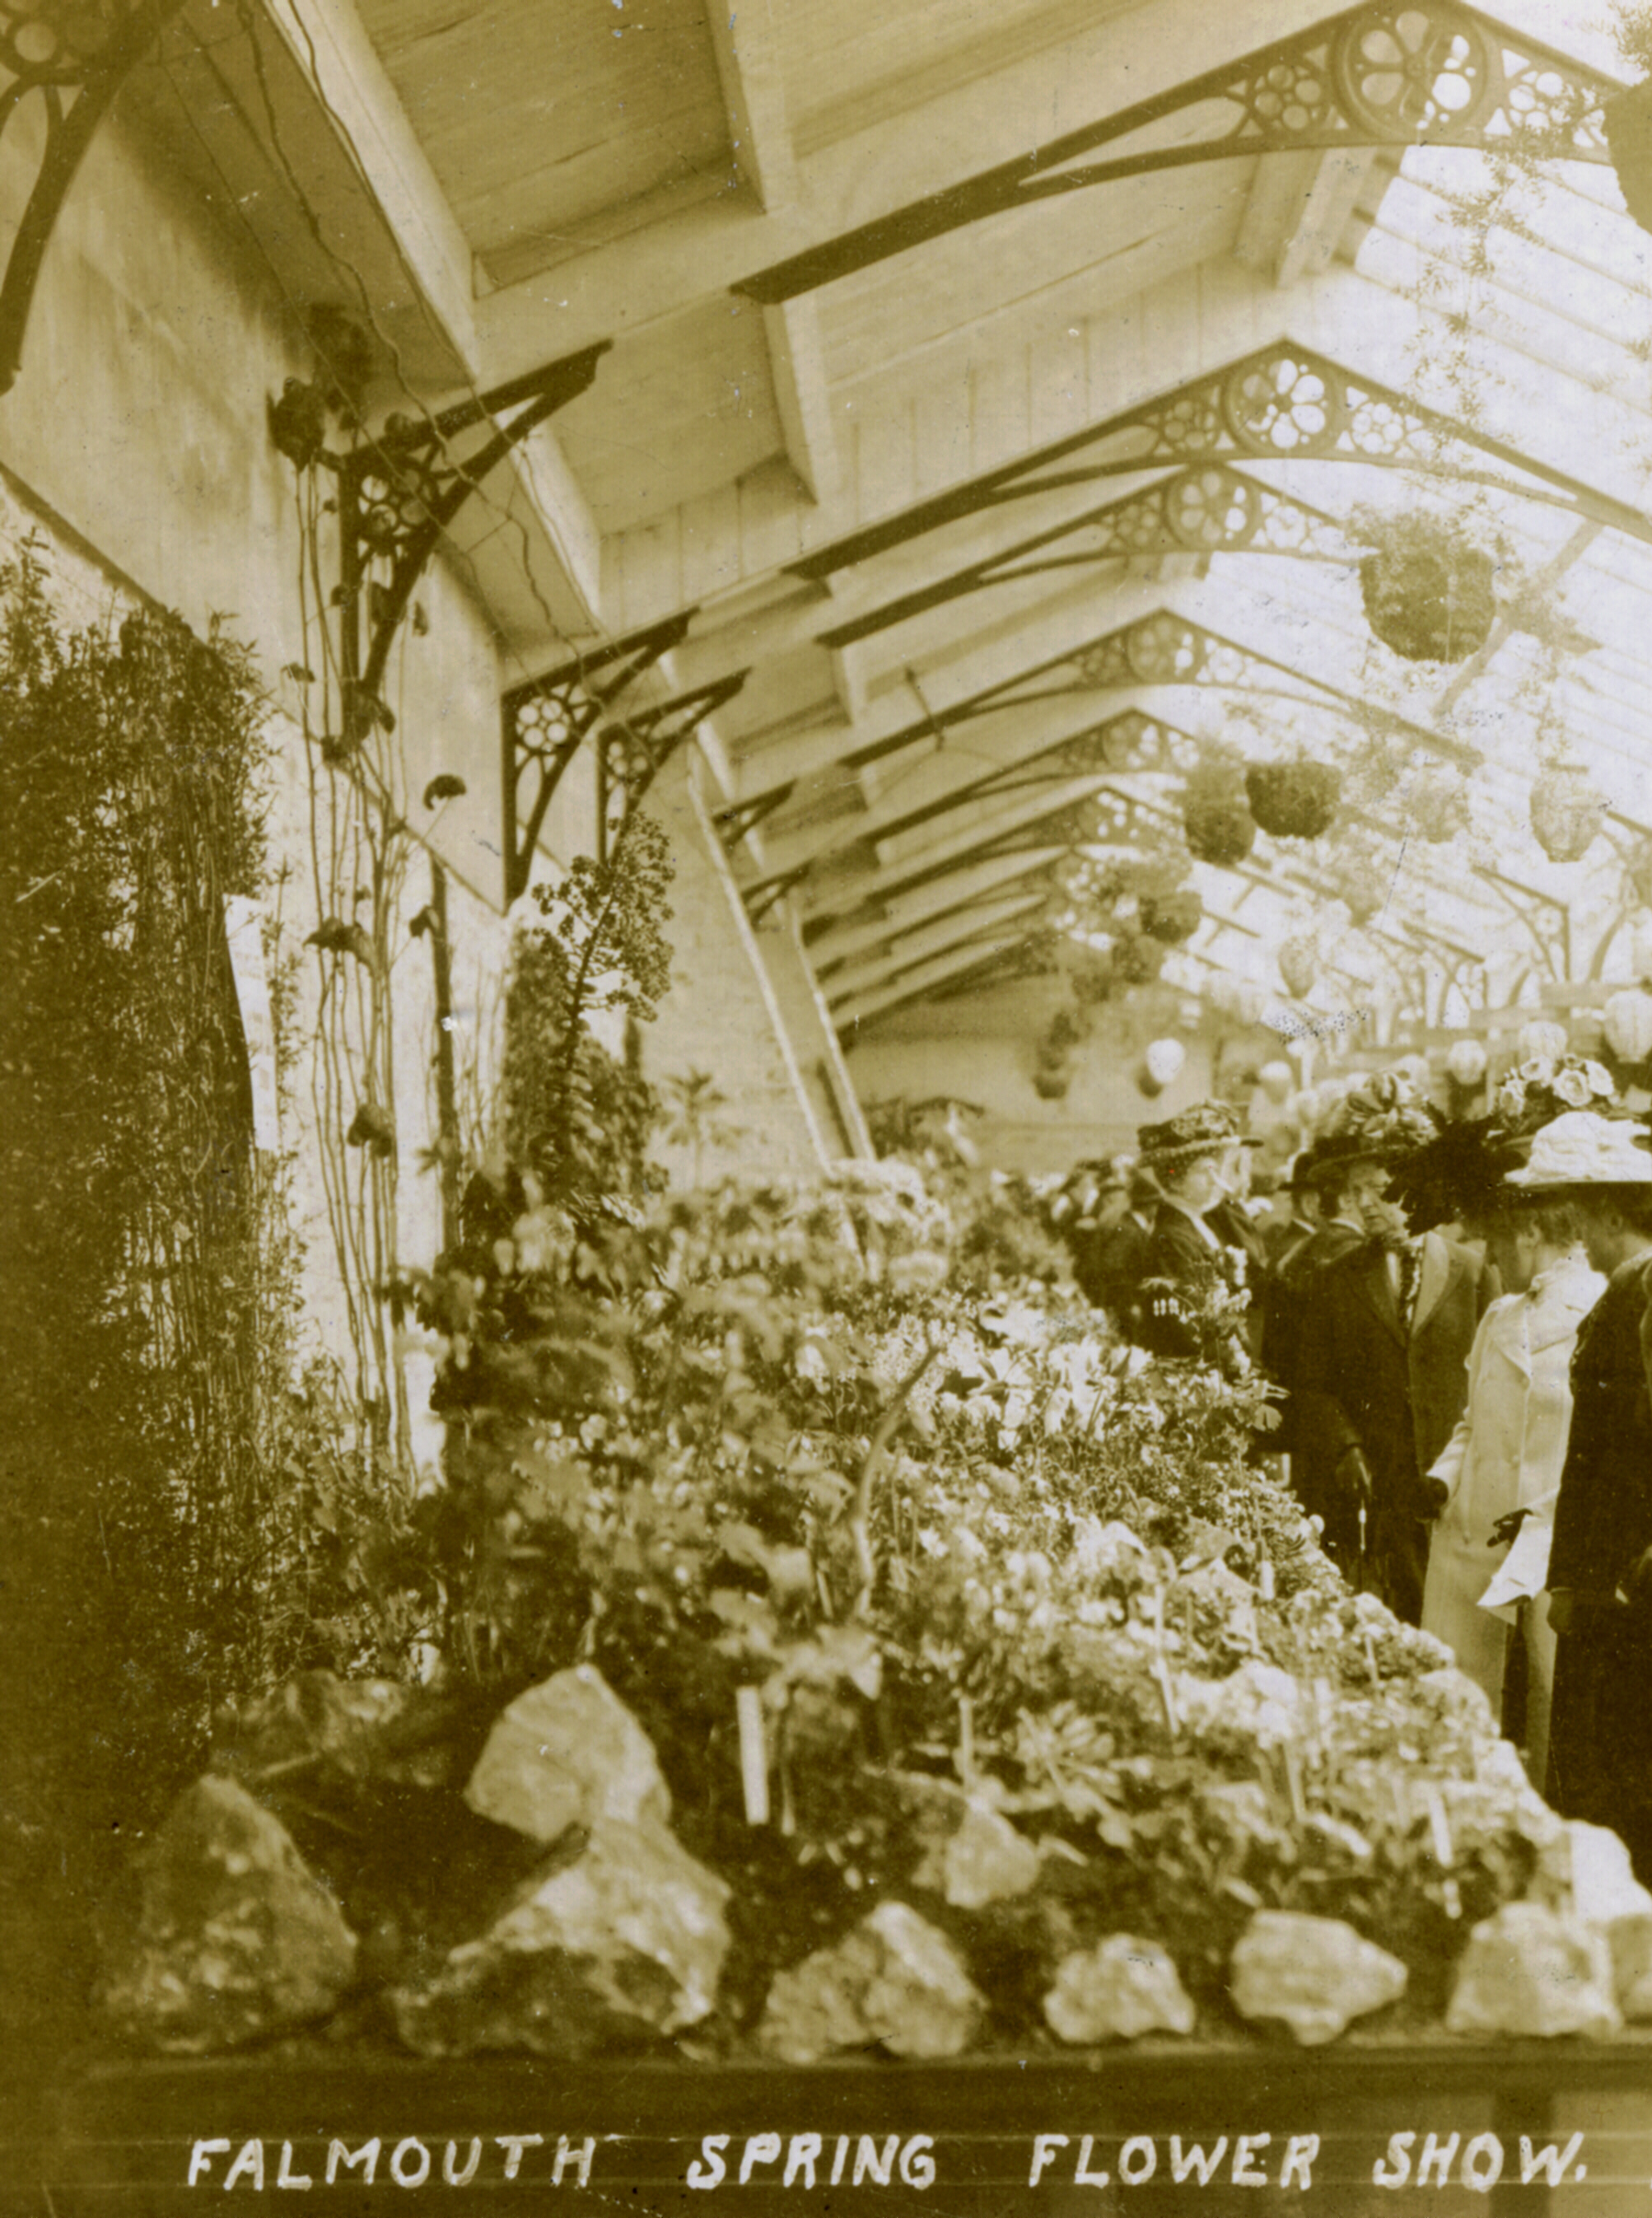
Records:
x=77, y=58
x=546, y=720
x=1400, y=73
x=1283, y=403
x=1045, y=874
x=397, y=493
x=631, y=753
x=1161, y=649
x=743, y=816
x=1209, y=509
x=760, y=898
x=991, y=935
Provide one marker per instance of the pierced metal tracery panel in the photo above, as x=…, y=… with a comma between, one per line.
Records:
x=1208, y=509
x=1397, y=74
x=546, y=722
x=76, y=57
x=1285, y=402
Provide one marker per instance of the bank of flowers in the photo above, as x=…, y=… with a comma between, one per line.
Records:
x=828, y=1644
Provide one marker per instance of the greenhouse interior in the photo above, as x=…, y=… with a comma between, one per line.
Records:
x=826, y=1023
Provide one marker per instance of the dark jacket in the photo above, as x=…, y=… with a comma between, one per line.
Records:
x=1287, y=1287
x=1114, y=1270
x=1600, y=1724
x=1365, y=1381
x=1182, y=1274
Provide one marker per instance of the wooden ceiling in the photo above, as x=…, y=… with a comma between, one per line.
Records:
x=629, y=170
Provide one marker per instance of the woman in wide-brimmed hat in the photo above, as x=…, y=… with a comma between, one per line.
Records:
x=1503, y=1463
x=1379, y=1368
x=1600, y=1560
x=1188, y=1275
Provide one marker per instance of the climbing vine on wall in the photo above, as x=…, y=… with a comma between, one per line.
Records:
x=149, y=1277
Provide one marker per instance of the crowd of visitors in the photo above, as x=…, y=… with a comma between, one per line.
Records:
x=1455, y=1317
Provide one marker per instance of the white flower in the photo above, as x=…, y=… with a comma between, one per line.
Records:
x=1539, y=1071
x=1599, y=1078
x=1572, y=1087
x=1511, y=1097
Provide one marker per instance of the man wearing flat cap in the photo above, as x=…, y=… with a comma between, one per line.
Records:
x=1379, y=1370
x=1188, y=1270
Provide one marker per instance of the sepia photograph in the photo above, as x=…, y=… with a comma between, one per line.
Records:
x=825, y=1069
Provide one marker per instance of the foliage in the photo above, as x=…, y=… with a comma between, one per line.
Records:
x=151, y=1277
x=1426, y=586
x=692, y=1120
x=1217, y=815
x=1294, y=800
x=578, y=1120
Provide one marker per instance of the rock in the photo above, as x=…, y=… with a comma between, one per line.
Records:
x=568, y=1752
x=233, y=1938
x=1314, y=1974
x=624, y=1944
x=1531, y=1970
x=1607, y=1896
x=1117, y=1991
x=972, y=1855
x=893, y=1980
x=353, y=1729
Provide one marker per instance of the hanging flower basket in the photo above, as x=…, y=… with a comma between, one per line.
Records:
x=1438, y=806
x=1170, y=917
x=1276, y=1080
x=1637, y=874
x=1567, y=810
x=1627, y=1025
x=1164, y=1060
x=1541, y=1041
x=1293, y=799
x=1216, y=818
x=1465, y=1062
x=1427, y=591
x=1137, y=959
x=1628, y=119
x=1299, y=965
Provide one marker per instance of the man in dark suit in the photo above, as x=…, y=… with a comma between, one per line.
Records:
x=1380, y=1365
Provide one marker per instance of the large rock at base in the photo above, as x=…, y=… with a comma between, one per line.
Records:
x=1606, y=1895
x=893, y=1980
x=232, y=1938
x=1530, y=1970
x=1314, y=1976
x=972, y=1855
x=568, y=1752
x=624, y=1945
x=1117, y=1991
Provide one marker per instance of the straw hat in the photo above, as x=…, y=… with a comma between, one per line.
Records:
x=1585, y=1149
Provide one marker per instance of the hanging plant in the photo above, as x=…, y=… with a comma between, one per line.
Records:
x=1137, y=959
x=1637, y=874
x=1276, y=1079
x=1299, y=964
x=1172, y=917
x=1567, y=810
x=1295, y=800
x=1627, y=1027
x=1541, y=1040
x=1428, y=588
x=1217, y=817
x=1438, y=806
x=1164, y=1061
x=1465, y=1062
